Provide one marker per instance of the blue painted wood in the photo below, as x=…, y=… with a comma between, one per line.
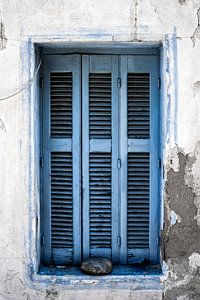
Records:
x=76, y=138
x=62, y=149
x=115, y=157
x=98, y=145
x=123, y=155
x=138, y=145
x=97, y=155
x=127, y=48
x=118, y=146
x=46, y=213
x=85, y=155
x=62, y=145
x=51, y=64
x=154, y=164
x=140, y=65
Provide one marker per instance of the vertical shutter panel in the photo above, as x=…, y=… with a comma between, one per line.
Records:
x=99, y=237
x=61, y=159
x=138, y=87
x=61, y=169
x=100, y=116
x=139, y=149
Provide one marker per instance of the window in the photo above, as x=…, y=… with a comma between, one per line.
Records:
x=100, y=158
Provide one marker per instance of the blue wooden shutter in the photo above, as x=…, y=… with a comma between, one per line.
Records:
x=61, y=155
x=100, y=154
x=139, y=154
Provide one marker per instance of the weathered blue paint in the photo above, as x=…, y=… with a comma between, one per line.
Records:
x=141, y=64
x=134, y=278
x=32, y=239
x=168, y=103
x=175, y=81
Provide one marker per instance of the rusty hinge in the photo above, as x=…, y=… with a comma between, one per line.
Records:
x=41, y=82
x=118, y=82
x=159, y=83
x=159, y=163
x=119, y=163
x=119, y=241
x=42, y=240
x=41, y=162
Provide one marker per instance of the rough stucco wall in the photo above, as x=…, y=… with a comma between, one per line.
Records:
x=128, y=20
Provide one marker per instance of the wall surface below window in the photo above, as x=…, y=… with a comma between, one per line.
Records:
x=175, y=24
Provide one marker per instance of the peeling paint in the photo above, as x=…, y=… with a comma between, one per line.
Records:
x=174, y=160
x=183, y=238
x=181, y=233
x=174, y=218
x=192, y=178
x=194, y=262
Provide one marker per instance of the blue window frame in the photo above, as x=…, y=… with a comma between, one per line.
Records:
x=100, y=150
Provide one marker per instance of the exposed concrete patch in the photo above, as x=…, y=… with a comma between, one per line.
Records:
x=191, y=291
x=181, y=235
x=174, y=160
x=183, y=238
x=3, y=39
x=192, y=178
x=196, y=34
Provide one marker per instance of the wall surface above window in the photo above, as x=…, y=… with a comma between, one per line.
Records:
x=174, y=25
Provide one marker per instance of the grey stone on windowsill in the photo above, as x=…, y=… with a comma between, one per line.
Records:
x=96, y=266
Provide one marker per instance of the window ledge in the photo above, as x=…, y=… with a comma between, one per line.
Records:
x=135, y=278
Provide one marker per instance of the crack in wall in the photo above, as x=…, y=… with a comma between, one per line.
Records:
x=182, y=2
x=2, y=126
x=196, y=34
x=135, y=20
x=3, y=39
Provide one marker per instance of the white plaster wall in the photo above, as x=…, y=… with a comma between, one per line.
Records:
x=88, y=20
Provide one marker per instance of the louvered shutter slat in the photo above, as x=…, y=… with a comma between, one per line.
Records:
x=100, y=167
x=59, y=214
x=138, y=105
x=61, y=104
x=100, y=213
x=100, y=105
x=61, y=164
x=138, y=163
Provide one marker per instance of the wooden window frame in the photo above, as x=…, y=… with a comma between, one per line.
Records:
x=30, y=53
x=147, y=63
